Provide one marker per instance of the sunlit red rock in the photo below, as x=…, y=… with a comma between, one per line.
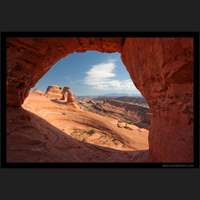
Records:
x=54, y=92
x=162, y=69
x=37, y=91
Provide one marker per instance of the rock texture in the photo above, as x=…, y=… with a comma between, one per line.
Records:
x=54, y=92
x=161, y=68
x=64, y=93
x=68, y=95
x=31, y=138
x=137, y=114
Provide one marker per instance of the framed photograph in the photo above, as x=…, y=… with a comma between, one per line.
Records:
x=99, y=99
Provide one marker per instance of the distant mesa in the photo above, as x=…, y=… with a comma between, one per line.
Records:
x=37, y=91
x=65, y=94
x=54, y=92
x=118, y=95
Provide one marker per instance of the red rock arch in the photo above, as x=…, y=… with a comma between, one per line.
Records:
x=161, y=68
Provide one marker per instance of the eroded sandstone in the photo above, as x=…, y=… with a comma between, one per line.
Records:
x=68, y=95
x=161, y=68
x=54, y=92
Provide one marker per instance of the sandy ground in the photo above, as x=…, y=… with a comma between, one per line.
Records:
x=47, y=130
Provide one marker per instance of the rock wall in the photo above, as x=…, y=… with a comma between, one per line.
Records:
x=161, y=68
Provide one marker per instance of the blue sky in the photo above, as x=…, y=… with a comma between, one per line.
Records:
x=90, y=73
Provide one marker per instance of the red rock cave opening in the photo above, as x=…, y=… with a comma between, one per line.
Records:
x=159, y=67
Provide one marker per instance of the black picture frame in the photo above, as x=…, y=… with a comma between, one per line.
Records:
x=5, y=164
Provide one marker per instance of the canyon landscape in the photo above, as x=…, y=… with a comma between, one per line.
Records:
x=97, y=130
x=58, y=126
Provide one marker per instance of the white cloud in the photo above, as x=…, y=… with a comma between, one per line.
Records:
x=103, y=78
x=101, y=71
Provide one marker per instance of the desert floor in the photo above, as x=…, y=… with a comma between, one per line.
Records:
x=46, y=130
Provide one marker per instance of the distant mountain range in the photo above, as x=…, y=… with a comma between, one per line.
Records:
x=118, y=95
x=112, y=95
